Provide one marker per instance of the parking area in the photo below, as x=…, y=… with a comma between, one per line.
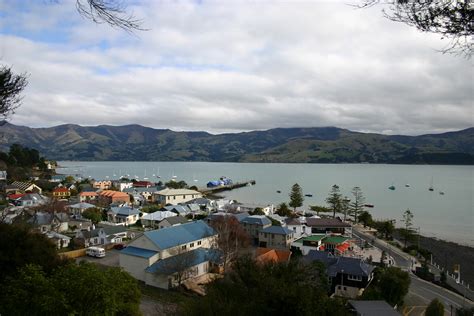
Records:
x=111, y=259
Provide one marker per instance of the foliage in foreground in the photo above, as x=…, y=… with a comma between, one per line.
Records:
x=390, y=284
x=271, y=289
x=83, y=289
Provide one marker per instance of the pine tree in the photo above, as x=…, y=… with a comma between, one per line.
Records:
x=296, y=196
x=334, y=200
x=357, y=205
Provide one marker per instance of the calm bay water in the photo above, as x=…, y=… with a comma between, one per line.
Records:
x=449, y=216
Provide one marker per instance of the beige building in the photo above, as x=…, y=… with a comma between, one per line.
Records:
x=102, y=185
x=175, y=196
x=275, y=237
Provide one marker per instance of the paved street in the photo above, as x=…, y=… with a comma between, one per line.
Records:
x=421, y=292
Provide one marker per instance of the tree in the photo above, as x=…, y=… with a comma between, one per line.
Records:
x=11, y=86
x=178, y=264
x=390, y=284
x=176, y=184
x=296, y=196
x=334, y=200
x=20, y=247
x=357, y=205
x=436, y=308
x=386, y=228
x=83, y=289
x=290, y=288
x=450, y=19
x=283, y=210
x=94, y=214
x=257, y=211
x=232, y=237
x=320, y=209
x=406, y=232
x=109, y=12
x=365, y=218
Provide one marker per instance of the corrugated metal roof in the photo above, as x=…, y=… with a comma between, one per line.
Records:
x=177, y=235
x=138, y=252
x=279, y=230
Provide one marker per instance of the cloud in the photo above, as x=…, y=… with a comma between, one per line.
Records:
x=236, y=67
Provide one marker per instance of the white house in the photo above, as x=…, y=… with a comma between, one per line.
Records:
x=248, y=207
x=60, y=240
x=122, y=185
x=102, y=235
x=77, y=209
x=125, y=214
x=159, y=256
x=153, y=219
x=298, y=226
x=175, y=196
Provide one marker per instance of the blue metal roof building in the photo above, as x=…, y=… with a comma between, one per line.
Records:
x=182, y=234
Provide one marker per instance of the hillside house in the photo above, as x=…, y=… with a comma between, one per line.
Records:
x=329, y=226
x=172, y=221
x=113, y=197
x=23, y=187
x=102, y=235
x=102, y=185
x=124, y=214
x=121, y=185
x=153, y=219
x=161, y=257
x=268, y=255
x=61, y=193
x=88, y=196
x=253, y=224
x=77, y=209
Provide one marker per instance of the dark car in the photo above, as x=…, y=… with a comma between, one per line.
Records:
x=119, y=246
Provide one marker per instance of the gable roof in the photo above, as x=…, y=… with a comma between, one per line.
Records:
x=113, y=194
x=88, y=193
x=177, y=209
x=22, y=185
x=257, y=220
x=82, y=205
x=176, y=220
x=353, y=266
x=277, y=230
x=326, y=222
x=266, y=255
x=177, y=235
x=61, y=189
x=124, y=211
x=293, y=221
x=158, y=216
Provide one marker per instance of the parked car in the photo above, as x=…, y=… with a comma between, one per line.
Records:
x=119, y=246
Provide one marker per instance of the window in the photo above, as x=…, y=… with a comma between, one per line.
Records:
x=354, y=277
x=174, y=197
x=294, y=228
x=184, y=196
x=191, y=245
x=183, y=247
x=199, y=243
x=345, y=288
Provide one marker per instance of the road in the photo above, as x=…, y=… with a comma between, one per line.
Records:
x=421, y=292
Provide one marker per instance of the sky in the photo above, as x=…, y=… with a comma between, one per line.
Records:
x=229, y=66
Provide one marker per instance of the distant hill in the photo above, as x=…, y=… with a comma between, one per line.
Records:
x=307, y=145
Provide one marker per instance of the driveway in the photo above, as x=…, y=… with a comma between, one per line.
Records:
x=111, y=259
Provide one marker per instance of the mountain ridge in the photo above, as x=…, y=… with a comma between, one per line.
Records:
x=298, y=144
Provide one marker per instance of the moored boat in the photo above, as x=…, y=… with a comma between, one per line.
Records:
x=369, y=205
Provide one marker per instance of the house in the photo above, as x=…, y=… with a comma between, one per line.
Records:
x=336, y=244
x=78, y=224
x=248, y=207
x=61, y=193
x=102, y=235
x=122, y=185
x=153, y=219
x=88, y=196
x=253, y=224
x=238, y=216
x=77, y=209
x=44, y=222
x=145, y=192
x=206, y=205
x=58, y=178
x=160, y=257
x=298, y=226
x=11, y=189
x=60, y=240
x=372, y=308
x=268, y=255
x=172, y=221
x=31, y=199
x=348, y=277
x=109, y=197
x=143, y=184
x=24, y=187
x=328, y=226
x=102, y=185
x=178, y=209
x=175, y=196
x=307, y=243
x=124, y=214
x=275, y=237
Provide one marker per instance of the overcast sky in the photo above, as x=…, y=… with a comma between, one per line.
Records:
x=225, y=66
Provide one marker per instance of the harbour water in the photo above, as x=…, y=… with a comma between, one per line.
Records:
x=449, y=216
